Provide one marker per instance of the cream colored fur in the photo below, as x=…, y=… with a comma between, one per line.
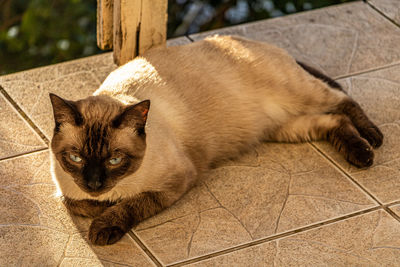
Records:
x=211, y=100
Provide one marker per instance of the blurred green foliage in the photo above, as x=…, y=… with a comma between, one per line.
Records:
x=40, y=32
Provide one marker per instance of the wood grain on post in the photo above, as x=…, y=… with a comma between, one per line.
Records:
x=153, y=27
x=105, y=24
x=126, y=25
x=138, y=25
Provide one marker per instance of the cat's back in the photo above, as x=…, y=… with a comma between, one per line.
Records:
x=213, y=74
x=212, y=92
x=198, y=79
x=217, y=61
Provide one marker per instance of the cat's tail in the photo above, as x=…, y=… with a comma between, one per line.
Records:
x=319, y=75
x=350, y=108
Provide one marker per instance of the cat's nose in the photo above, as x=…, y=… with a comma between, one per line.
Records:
x=94, y=185
x=93, y=176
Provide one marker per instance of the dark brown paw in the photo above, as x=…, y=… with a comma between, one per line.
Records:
x=360, y=154
x=373, y=135
x=101, y=233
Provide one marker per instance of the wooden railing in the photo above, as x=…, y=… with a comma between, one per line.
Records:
x=130, y=27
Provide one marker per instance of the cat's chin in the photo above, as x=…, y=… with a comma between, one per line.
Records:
x=96, y=193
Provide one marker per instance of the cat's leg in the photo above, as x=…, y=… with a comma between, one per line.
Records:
x=163, y=191
x=349, y=107
x=336, y=128
x=86, y=207
x=117, y=220
x=365, y=127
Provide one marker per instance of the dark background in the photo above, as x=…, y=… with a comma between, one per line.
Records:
x=41, y=32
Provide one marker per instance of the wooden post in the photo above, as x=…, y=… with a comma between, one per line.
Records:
x=136, y=26
x=153, y=26
x=105, y=24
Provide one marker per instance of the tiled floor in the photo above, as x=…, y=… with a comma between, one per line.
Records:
x=280, y=204
x=388, y=8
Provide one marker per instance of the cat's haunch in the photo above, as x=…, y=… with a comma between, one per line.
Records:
x=120, y=160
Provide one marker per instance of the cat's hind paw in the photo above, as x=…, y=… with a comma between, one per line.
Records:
x=361, y=154
x=373, y=135
x=101, y=233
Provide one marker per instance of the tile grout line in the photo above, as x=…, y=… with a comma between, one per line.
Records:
x=274, y=237
x=365, y=71
x=394, y=215
x=144, y=248
x=394, y=203
x=24, y=115
x=383, y=206
x=381, y=13
x=343, y=171
x=24, y=154
x=190, y=39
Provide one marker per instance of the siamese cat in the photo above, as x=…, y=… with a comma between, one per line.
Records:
x=159, y=122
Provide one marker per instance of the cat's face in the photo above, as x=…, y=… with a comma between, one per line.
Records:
x=98, y=141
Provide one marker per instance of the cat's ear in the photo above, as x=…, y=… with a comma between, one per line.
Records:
x=65, y=111
x=133, y=115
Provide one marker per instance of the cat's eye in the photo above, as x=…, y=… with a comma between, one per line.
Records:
x=115, y=161
x=75, y=158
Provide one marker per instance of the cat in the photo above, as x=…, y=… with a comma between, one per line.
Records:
x=159, y=122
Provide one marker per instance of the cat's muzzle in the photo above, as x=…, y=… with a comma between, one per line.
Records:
x=94, y=185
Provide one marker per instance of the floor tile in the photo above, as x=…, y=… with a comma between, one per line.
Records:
x=178, y=41
x=391, y=8
x=72, y=80
x=378, y=94
x=16, y=136
x=396, y=209
x=272, y=189
x=371, y=239
x=35, y=228
x=276, y=188
x=339, y=40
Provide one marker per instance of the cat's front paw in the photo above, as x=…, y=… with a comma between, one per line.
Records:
x=103, y=233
